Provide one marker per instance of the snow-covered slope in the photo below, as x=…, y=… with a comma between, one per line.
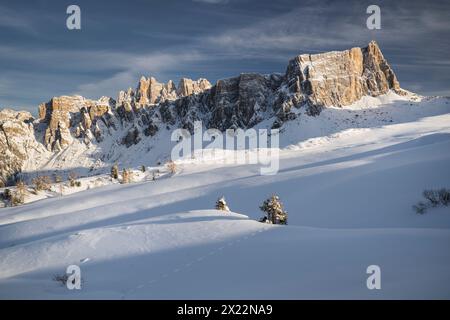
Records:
x=349, y=190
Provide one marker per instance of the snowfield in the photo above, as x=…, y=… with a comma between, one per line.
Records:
x=348, y=187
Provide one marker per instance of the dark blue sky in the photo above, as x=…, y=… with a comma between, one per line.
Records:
x=122, y=40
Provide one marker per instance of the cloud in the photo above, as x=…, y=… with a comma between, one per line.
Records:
x=14, y=20
x=78, y=72
x=119, y=63
x=134, y=66
x=406, y=31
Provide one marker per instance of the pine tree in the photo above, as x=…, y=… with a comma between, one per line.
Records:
x=115, y=171
x=221, y=204
x=275, y=213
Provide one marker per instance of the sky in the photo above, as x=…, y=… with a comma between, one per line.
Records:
x=120, y=41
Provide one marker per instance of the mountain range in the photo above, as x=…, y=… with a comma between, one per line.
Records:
x=84, y=135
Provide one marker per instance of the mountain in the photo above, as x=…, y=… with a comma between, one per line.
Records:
x=75, y=133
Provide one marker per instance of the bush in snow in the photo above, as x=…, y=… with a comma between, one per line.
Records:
x=126, y=176
x=115, y=171
x=444, y=196
x=420, y=207
x=274, y=211
x=63, y=278
x=434, y=198
x=6, y=195
x=221, y=204
x=155, y=174
x=18, y=197
x=57, y=178
x=42, y=183
x=73, y=182
x=143, y=168
x=171, y=166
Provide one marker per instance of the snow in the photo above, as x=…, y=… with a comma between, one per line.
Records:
x=348, y=187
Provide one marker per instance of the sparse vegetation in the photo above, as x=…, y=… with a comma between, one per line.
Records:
x=126, y=176
x=18, y=197
x=143, y=169
x=73, y=182
x=434, y=198
x=115, y=171
x=274, y=212
x=420, y=207
x=61, y=278
x=171, y=166
x=221, y=204
x=72, y=178
x=444, y=196
x=6, y=194
x=64, y=277
x=42, y=183
x=57, y=178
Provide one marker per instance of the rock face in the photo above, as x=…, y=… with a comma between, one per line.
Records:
x=150, y=91
x=340, y=78
x=62, y=114
x=241, y=102
x=17, y=141
x=186, y=87
x=312, y=82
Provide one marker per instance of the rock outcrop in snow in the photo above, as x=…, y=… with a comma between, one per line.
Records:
x=312, y=82
x=17, y=143
x=70, y=117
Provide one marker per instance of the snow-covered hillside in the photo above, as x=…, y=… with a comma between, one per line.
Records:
x=348, y=179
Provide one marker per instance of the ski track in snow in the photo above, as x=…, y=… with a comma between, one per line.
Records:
x=188, y=265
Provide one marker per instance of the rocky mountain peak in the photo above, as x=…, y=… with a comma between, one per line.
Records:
x=339, y=78
x=186, y=86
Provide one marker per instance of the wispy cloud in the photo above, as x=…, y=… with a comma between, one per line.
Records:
x=122, y=69
x=134, y=66
x=15, y=20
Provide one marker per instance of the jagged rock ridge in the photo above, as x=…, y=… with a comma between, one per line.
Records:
x=311, y=81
